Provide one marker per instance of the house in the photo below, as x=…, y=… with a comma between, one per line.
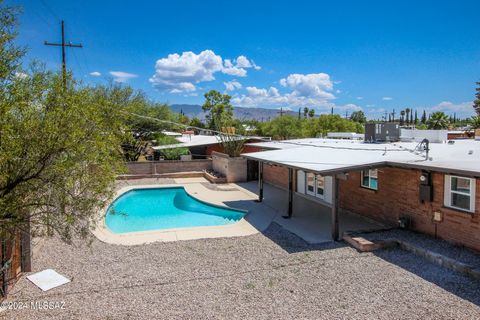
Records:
x=201, y=146
x=427, y=187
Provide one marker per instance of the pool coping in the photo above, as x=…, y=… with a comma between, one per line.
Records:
x=104, y=234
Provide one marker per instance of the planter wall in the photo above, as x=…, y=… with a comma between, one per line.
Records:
x=234, y=169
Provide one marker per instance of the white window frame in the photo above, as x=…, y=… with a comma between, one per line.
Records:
x=314, y=193
x=369, y=178
x=311, y=193
x=447, y=199
x=318, y=195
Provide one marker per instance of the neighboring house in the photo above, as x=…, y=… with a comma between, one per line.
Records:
x=461, y=134
x=201, y=146
x=392, y=182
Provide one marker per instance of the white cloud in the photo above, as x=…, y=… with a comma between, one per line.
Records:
x=180, y=73
x=305, y=90
x=463, y=109
x=359, y=98
x=313, y=85
x=235, y=71
x=95, y=74
x=232, y=85
x=387, y=98
x=120, y=76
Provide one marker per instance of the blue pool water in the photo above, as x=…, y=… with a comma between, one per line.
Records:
x=164, y=208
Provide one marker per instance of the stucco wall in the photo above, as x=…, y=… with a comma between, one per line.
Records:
x=234, y=169
x=167, y=166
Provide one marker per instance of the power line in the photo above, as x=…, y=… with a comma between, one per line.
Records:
x=49, y=9
x=401, y=149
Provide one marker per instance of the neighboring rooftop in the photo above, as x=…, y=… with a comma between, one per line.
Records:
x=329, y=156
x=191, y=140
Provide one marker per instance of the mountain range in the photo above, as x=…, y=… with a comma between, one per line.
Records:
x=259, y=114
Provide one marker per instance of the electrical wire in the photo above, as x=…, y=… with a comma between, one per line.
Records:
x=401, y=149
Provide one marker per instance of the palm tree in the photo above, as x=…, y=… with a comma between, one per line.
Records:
x=311, y=113
x=407, y=111
x=476, y=122
x=438, y=120
x=402, y=114
x=305, y=112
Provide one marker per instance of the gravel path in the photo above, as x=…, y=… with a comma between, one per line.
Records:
x=274, y=275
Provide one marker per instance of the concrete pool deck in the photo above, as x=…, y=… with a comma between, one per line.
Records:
x=310, y=221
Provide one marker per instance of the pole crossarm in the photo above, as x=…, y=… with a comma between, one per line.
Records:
x=64, y=45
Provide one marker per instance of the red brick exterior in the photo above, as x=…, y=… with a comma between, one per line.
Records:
x=276, y=175
x=398, y=196
x=214, y=147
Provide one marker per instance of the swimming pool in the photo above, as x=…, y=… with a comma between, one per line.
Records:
x=165, y=208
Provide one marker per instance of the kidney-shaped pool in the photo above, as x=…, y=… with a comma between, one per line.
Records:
x=165, y=208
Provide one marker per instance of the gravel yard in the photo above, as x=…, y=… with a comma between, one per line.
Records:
x=274, y=275
x=443, y=247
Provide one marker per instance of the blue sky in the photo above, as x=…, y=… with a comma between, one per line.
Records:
x=350, y=55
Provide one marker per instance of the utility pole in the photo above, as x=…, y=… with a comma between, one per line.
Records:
x=393, y=115
x=64, y=45
x=281, y=111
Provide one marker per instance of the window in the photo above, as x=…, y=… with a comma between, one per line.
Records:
x=460, y=193
x=370, y=179
x=320, y=186
x=311, y=184
x=315, y=185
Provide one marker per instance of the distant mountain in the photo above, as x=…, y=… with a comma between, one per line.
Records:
x=259, y=114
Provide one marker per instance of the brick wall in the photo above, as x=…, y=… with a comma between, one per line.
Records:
x=276, y=175
x=214, y=147
x=398, y=195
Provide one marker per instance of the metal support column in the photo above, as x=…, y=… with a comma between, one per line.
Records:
x=290, y=193
x=335, y=227
x=260, y=181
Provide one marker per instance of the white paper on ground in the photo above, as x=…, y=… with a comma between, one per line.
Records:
x=47, y=279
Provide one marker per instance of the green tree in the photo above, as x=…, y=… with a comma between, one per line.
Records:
x=174, y=153
x=475, y=122
x=146, y=124
x=59, y=147
x=424, y=117
x=402, y=117
x=218, y=108
x=286, y=127
x=311, y=113
x=476, y=103
x=10, y=55
x=438, y=120
x=59, y=154
x=407, y=113
x=305, y=112
x=358, y=116
x=330, y=123
x=195, y=122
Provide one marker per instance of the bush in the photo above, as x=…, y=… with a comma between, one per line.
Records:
x=174, y=153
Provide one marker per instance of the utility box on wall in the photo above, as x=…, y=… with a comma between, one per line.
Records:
x=426, y=187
